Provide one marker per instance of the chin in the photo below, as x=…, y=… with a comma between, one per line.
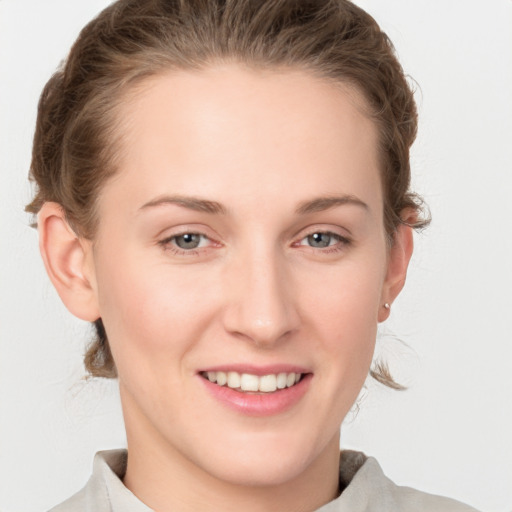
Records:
x=264, y=460
x=266, y=470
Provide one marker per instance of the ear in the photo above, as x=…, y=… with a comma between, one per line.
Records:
x=398, y=261
x=68, y=261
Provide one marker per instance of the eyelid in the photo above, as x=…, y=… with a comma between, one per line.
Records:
x=170, y=238
x=336, y=236
x=336, y=231
x=342, y=241
x=183, y=229
x=165, y=241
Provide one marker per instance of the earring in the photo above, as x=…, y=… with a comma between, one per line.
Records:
x=387, y=306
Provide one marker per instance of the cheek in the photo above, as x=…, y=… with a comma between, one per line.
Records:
x=346, y=298
x=349, y=333
x=349, y=336
x=155, y=313
x=150, y=314
x=343, y=313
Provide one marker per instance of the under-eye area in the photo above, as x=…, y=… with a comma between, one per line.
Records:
x=246, y=382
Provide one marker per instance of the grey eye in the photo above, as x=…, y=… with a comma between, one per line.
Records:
x=188, y=240
x=321, y=240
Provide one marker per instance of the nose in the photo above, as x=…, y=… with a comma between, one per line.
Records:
x=262, y=306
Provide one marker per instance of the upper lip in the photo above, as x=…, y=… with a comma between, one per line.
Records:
x=256, y=370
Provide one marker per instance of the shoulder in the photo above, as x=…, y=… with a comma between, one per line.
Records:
x=104, y=492
x=77, y=502
x=367, y=489
x=401, y=499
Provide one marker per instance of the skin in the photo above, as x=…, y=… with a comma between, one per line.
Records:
x=263, y=146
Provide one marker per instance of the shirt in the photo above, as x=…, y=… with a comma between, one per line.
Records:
x=365, y=489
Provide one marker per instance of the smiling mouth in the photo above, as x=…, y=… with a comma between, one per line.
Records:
x=250, y=383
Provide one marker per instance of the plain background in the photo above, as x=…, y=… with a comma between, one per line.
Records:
x=451, y=432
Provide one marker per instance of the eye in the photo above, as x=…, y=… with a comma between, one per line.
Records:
x=320, y=240
x=186, y=241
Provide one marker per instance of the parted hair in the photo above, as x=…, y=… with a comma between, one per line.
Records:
x=76, y=141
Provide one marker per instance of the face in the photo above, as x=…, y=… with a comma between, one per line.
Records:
x=241, y=240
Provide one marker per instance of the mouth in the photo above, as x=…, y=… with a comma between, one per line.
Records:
x=251, y=383
x=257, y=391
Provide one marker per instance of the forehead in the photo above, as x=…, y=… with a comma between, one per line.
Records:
x=251, y=133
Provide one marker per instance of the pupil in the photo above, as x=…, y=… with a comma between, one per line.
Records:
x=188, y=241
x=319, y=240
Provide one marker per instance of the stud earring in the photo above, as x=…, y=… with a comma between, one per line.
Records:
x=387, y=306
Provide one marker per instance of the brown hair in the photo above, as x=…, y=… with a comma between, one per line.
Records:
x=74, y=150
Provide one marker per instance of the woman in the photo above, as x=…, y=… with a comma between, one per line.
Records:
x=223, y=190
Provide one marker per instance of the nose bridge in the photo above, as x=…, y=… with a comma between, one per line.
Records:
x=262, y=306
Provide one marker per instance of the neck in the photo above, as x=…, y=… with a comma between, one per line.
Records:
x=165, y=479
x=177, y=484
x=165, y=487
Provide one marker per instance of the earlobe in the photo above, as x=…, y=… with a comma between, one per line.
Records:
x=398, y=262
x=68, y=262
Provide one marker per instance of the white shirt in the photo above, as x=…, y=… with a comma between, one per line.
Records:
x=366, y=489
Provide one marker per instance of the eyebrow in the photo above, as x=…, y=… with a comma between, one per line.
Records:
x=318, y=204
x=192, y=203
x=321, y=204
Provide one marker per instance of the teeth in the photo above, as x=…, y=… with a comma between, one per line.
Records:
x=281, y=381
x=268, y=383
x=233, y=380
x=254, y=383
x=249, y=382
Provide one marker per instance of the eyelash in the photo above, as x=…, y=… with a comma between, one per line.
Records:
x=341, y=242
x=169, y=243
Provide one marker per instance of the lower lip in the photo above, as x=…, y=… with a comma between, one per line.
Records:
x=259, y=404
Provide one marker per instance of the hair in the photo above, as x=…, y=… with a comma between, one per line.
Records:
x=76, y=136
